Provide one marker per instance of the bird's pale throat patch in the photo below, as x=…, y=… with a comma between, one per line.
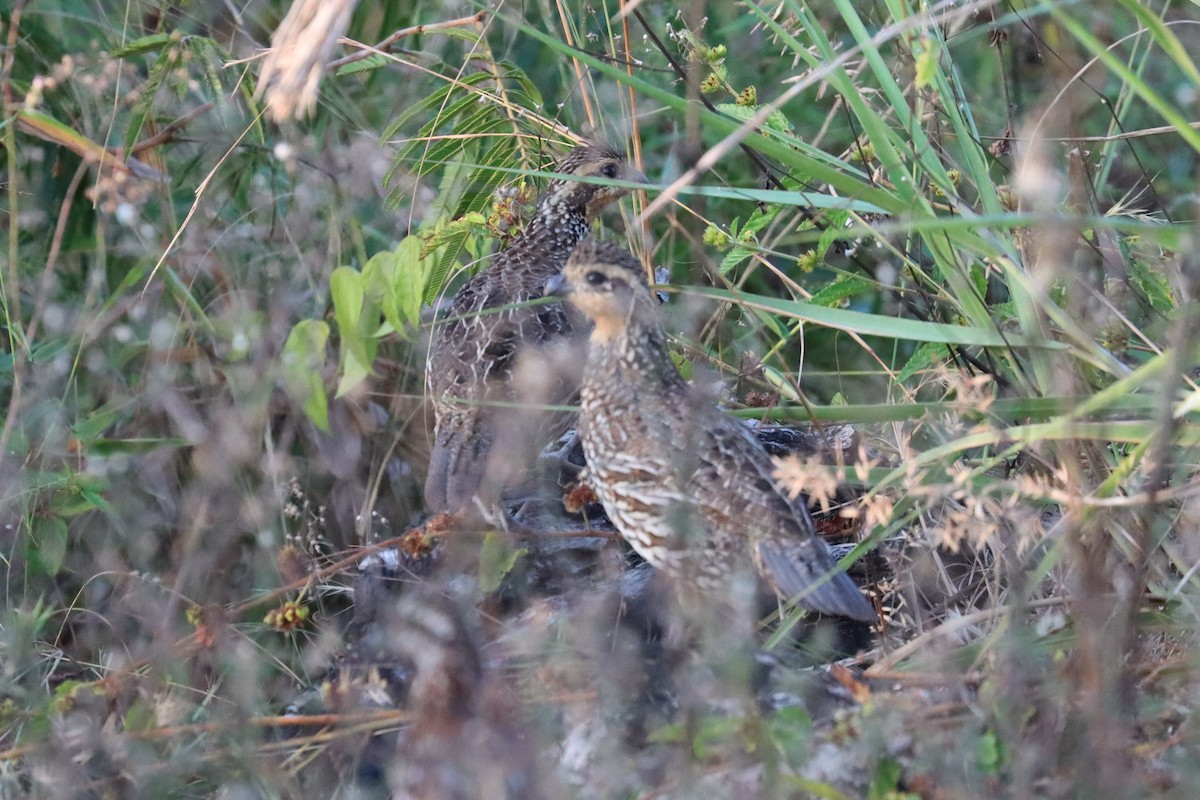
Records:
x=608, y=316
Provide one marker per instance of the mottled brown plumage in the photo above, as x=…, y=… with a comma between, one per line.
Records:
x=480, y=444
x=685, y=483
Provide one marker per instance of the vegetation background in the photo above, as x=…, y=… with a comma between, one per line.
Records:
x=967, y=229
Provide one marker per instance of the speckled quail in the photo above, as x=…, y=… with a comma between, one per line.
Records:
x=685, y=483
x=474, y=373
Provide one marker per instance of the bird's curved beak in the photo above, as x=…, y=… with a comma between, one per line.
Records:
x=556, y=286
x=633, y=175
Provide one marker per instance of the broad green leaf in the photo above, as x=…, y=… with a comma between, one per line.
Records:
x=355, y=324
x=378, y=277
x=926, y=62
x=50, y=543
x=408, y=286
x=496, y=559
x=302, y=359
x=990, y=752
x=885, y=779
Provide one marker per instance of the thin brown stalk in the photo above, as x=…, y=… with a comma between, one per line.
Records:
x=170, y=130
x=12, y=287
x=415, y=30
x=60, y=230
x=579, y=73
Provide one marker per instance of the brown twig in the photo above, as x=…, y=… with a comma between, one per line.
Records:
x=60, y=230
x=404, y=32
x=579, y=73
x=170, y=130
x=292, y=721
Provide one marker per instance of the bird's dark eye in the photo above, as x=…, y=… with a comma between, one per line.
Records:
x=609, y=170
x=595, y=278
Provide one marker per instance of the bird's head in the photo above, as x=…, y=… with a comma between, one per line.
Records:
x=590, y=161
x=608, y=284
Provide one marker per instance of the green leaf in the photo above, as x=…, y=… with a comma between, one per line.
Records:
x=926, y=356
x=978, y=277
x=368, y=64
x=835, y=226
x=49, y=543
x=302, y=359
x=94, y=500
x=775, y=120
x=434, y=100
x=378, y=275
x=140, y=717
x=147, y=94
x=990, y=751
x=1153, y=285
x=409, y=279
x=210, y=56
x=98, y=421
x=877, y=324
x=815, y=788
x=357, y=348
x=133, y=446
x=926, y=62
x=496, y=559
x=885, y=780
x=713, y=731
x=734, y=257
x=146, y=44
x=834, y=293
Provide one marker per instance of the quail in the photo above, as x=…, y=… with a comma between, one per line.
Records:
x=685, y=483
x=474, y=372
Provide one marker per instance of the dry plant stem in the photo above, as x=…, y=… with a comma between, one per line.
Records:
x=12, y=287
x=627, y=8
x=1160, y=130
x=60, y=229
x=200, y=190
x=416, y=30
x=510, y=108
x=169, y=131
x=1103, y=692
x=550, y=125
x=888, y=663
x=369, y=720
x=579, y=74
x=184, y=647
x=639, y=196
x=1078, y=76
